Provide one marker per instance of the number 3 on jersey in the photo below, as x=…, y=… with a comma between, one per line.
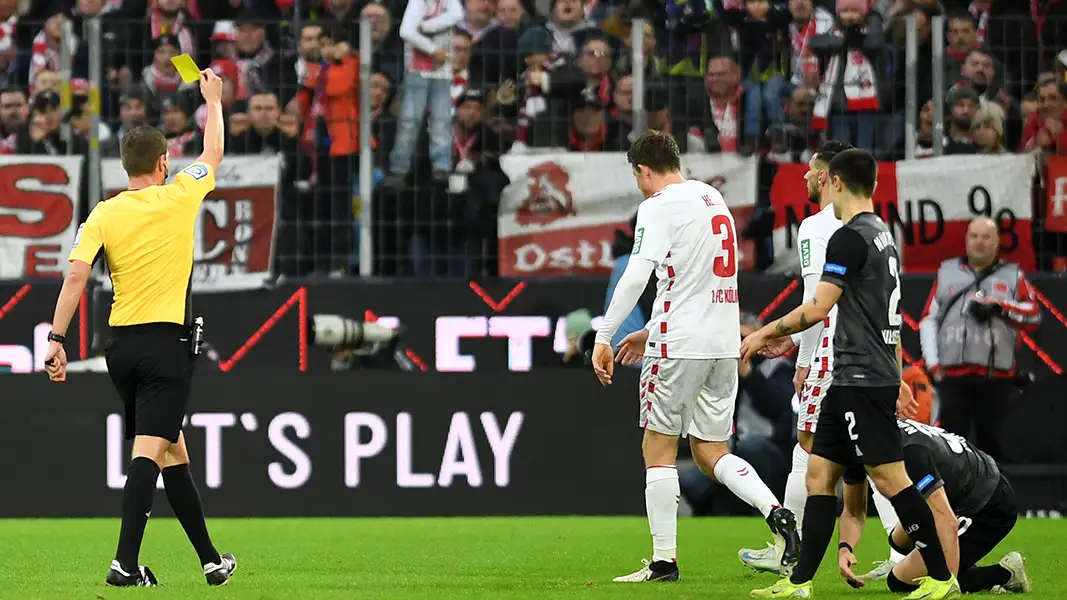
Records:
x=726, y=264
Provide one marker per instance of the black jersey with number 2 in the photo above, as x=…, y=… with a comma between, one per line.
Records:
x=862, y=260
x=936, y=458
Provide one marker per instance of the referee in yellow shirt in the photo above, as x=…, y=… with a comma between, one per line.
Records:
x=146, y=236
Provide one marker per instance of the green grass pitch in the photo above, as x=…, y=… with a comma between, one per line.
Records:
x=440, y=559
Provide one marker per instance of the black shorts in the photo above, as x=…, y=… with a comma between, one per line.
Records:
x=858, y=425
x=151, y=368
x=980, y=533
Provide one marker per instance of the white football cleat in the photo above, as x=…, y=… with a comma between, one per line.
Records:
x=660, y=570
x=1016, y=565
x=881, y=570
x=767, y=560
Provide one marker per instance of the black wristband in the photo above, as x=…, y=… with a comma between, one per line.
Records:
x=55, y=337
x=845, y=546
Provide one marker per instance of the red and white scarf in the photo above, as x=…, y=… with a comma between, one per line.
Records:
x=593, y=143
x=463, y=144
x=725, y=117
x=532, y=104
x=804, y=60
x=176, y=144
x=857, y=76
x=160, y=82
x=177, y=29
x=459, y=84
x=250, y=71
x=46, y=54
x=980, y=14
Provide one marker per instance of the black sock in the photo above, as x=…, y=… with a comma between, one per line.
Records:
x=136, y=505
x=982, y=579
x=898, y=586
x=820, y=516
x=185, y=500
x=918, y=523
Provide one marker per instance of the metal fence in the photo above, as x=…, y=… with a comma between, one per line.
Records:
x=419, y=195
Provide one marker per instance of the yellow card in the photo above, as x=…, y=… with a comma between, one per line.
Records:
x=186, y=68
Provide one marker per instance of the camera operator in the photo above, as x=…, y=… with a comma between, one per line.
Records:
x=969, y=334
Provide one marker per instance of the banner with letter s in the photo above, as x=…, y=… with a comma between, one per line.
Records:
x=928, y=203
x=237, y=224
x=561, y=211
x=38, y=214
x=1056, y=211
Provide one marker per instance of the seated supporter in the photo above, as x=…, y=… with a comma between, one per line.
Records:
x=183, y=136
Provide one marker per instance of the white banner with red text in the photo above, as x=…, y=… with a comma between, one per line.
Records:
x=237, y=225
x=38, y=214
x=560, y=212
x=928, y=203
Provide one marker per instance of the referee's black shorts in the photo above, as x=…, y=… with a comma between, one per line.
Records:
x=151, y=368
x=858, y=425
x=980, y=533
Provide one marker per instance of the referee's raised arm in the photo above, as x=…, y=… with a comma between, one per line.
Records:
x=214, y=129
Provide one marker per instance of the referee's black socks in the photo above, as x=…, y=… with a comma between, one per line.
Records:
x=136, y=506
x=185, y=500
x=918, y=523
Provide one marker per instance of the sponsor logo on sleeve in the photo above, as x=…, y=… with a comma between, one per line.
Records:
x=639, y=236
x=805, y=253
x=78, y=236
x=196, y=171
x=834, y=268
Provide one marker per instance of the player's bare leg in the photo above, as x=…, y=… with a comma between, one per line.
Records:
x=716, y=461
x=149, y=454
x=185, y=500
x=769, y=559
x=888, y=516
x=662, y=494
x=893, y=482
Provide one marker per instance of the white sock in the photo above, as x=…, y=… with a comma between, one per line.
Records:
x=735, y=473
x=888, y=517
x=796, y=485
x=661, y=503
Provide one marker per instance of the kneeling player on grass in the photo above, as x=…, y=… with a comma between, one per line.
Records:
x=974, y=509
x=689, y=348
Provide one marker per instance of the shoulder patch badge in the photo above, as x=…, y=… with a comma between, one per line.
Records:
x=78, y=236
x=196, y=171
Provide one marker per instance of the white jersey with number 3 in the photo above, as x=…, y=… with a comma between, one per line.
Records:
x=813, y=236
x=687, y=230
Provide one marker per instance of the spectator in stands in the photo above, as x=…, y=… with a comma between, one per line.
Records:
x=170, y=18
x=657, y=116
x=81, y=121
x=962, y=104
x=808, y=21
x=478, y=18
x=46, y=80
x=46, y=45
x=1045, y=129
x=43, y=131
x=796, y=140
x=569, y=27
x=133, y=112
x=9, y=45
x=969, y=334
x=763, y=51
x=228, y=71
x=385, y=41
x=725, y=106
x=854, y=58
x=342, y=13
x=224, y=40
x=476, y=154
x=980, y=72
x=14, y=111
x=621, y=117
x=589, y=130
x=962, y=36
x=183, y=136
x=295, y=68
x=987, y=129
x=624, y=64
x=427, y=33
x=161, y=77
x=263, y=133
x=461, y=59
x=330, y=99
x=595, y=62
x=383, y=119
x=259, y=65
x=897, y=27
x=1028, y=105
x=496, y=57
x=548, y=87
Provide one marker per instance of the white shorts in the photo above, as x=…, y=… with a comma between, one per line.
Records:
x=811, y=395
x=689, y=396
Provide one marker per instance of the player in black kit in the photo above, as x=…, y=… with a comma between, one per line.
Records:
x=974, y=509
x=857, y=423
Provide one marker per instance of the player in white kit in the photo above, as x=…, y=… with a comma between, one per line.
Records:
x=815, y=366
x=690, y=347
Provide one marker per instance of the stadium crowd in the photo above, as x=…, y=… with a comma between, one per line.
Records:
x=456, y=85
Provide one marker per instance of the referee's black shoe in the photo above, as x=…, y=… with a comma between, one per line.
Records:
x=784, y=525
x=119, y=577
x=219, y=574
